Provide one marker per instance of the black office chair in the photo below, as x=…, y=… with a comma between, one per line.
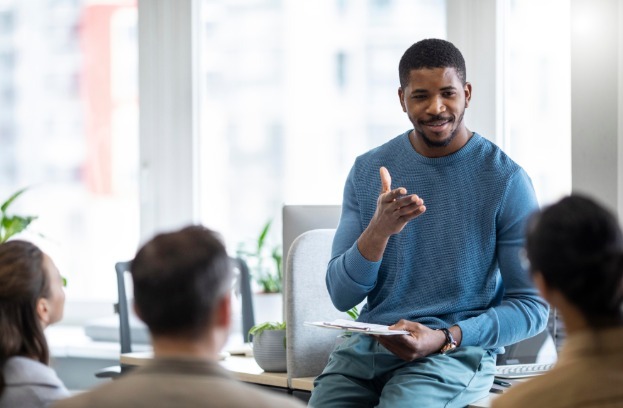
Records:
x=241, y=284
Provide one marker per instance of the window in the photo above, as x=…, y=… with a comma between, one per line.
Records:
x=292, y=99
x=68, y=126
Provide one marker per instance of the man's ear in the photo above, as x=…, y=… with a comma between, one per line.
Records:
x=43, y=311
x=468, y=93
x=222, y=316
x=401, y=95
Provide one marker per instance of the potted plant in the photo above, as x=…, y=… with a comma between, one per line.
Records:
x=269, y=345
x=264, y=262
x=13, y=224
x=265, y=266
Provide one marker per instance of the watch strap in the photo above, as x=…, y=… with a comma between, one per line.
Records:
x=450, y=343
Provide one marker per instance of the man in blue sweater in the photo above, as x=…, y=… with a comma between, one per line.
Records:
x=432, y=224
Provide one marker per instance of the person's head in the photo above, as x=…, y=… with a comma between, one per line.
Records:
x=182, y=284
x=434, y=93
x=575, y=248
x=31, y=298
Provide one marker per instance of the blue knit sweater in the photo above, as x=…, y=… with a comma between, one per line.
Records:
x=458, y=262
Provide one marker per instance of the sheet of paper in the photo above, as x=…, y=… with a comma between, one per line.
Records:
x=350, y=325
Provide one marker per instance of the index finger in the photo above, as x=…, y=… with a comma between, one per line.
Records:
x=386, y=180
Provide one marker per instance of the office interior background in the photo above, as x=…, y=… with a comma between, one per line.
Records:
x=128, y=118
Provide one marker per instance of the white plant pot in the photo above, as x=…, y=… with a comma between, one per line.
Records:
x=269, y=350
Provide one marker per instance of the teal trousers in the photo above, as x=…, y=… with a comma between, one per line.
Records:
x=362, y=373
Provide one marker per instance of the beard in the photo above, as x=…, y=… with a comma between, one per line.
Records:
x=446, y=141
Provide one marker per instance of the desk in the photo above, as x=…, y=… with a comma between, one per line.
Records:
x=246, y=369
x=302, y=384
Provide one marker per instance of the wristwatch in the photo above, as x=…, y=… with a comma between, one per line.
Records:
x=450, y=343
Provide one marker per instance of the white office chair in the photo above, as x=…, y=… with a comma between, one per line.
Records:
x=307, y=299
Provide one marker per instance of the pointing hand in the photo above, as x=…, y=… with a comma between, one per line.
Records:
x=394, y=208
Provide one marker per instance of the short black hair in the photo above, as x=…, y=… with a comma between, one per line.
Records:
x=431, y=53
x=178, y=279
x=577, y=246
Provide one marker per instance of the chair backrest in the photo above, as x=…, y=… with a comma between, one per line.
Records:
x=122, y=308
x=307, y=299
x=243, y=286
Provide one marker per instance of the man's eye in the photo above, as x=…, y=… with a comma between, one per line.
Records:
x=418, y=97
x=449, y=94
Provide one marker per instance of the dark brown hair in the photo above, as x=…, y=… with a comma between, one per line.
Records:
x=23, y=281
x=178, y=279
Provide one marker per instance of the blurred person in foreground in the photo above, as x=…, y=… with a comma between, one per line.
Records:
x=182, y=288
x=31, y=298
x=575, y=251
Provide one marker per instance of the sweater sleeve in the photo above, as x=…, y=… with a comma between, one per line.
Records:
x=350, y=276
x=522, y=313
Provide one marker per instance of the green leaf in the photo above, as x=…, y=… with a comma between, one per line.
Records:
x=353, y=313
x=262, y=238
x=265, y=272
x=14, y=225
x=8, y=202
x=259, y=328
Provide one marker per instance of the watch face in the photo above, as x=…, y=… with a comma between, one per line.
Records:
x=448, y=347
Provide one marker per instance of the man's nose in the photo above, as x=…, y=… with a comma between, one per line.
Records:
x=436, y=106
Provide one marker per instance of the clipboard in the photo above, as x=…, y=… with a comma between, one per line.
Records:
x=357, y=327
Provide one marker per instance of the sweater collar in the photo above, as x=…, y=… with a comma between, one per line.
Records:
x=465, y=151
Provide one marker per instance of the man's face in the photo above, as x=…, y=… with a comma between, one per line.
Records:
x=435, y=100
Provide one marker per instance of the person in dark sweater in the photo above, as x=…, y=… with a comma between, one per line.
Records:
x=432, y=223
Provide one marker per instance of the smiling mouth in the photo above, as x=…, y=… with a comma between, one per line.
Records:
x=437, y=122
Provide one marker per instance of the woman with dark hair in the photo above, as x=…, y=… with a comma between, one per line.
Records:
x=31, y=298
x=575, y=251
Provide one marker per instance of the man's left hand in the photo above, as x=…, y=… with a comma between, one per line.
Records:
x=420, y=342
